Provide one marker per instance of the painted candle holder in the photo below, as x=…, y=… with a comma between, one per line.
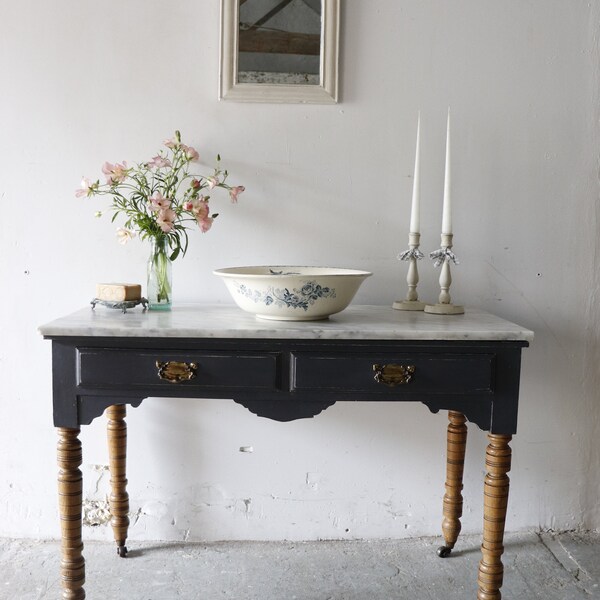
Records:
x=442, y=257
x=412, y=255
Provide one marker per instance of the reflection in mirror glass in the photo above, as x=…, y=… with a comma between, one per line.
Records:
x=279, y=41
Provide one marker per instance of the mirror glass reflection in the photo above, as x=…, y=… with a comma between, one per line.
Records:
x=279, y=42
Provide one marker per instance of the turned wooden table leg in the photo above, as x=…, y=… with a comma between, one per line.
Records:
x=455, y=463
x=70, y=489
x=497, y=461
x=117, y=453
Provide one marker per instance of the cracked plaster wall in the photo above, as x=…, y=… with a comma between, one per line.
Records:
x=330, y=185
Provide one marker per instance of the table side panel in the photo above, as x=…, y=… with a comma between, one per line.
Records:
x=64, y=384
x=505, y=403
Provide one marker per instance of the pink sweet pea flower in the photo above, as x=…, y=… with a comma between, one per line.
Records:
x=212, y=181
x=235, y=192
x=124, y=235
x=190, y=153
x=114, y=173
x=165, y=219
x=200, y=210
x=158, y=162
x=199, y=207
x=158, y=202
x=205, y=224
x=85, y=189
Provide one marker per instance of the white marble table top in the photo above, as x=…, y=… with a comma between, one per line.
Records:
x=228, y=321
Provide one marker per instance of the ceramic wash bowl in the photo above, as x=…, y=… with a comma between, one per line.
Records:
x=286, y=293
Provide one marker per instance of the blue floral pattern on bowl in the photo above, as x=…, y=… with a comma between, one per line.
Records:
x=304, y=297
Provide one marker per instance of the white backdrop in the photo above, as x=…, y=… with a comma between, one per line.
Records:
x=327, y=185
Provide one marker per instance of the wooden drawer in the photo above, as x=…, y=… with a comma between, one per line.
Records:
x=433, y=373
x=126, y=368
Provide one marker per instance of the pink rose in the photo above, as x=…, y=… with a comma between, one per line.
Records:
x=235, y=192
x=158, y=202
x=158, y=162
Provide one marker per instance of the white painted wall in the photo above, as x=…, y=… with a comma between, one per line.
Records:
x=86, y=82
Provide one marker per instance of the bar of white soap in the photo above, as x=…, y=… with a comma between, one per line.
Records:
x=118, y=292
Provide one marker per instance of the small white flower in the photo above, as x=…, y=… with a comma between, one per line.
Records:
x=124, y=235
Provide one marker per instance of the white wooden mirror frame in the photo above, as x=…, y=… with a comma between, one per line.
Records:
x=324, y=93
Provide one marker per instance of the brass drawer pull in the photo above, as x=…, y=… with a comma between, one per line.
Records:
x=176, y=372
x=393, y=375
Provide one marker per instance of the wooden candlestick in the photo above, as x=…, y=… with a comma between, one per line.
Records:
x=442, y=257
x=412, y=278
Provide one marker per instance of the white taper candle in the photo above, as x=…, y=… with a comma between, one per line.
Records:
x=447, y=207
x=416, y=195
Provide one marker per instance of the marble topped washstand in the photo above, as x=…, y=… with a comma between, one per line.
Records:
x=467, y=364
x=221, y=321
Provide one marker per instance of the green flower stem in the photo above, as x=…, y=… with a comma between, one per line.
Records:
x=161, y=262
x=159, y=274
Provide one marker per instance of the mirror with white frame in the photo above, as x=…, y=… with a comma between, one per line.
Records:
x=279, y=50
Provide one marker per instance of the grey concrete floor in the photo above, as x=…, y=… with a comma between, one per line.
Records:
x=537, y=566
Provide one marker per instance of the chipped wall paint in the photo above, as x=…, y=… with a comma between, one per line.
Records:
x=95, y=513
x=96, y=509
x=325, y=185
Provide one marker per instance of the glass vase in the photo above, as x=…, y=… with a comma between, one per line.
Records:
x=160, y=281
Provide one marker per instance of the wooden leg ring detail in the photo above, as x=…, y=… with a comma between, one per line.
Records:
x=455, y=462
x=496, y=487
x=70, y=486
x=119, y=498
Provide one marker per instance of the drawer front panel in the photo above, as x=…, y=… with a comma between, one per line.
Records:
x=432, y=374
x=212, y=370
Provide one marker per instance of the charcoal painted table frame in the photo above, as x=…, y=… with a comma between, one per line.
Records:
x=468, y=365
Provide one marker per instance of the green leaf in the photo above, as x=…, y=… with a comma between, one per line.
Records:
x=175, y=253
x=186, y=241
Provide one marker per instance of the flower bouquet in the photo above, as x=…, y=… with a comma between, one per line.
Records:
x=158, y=200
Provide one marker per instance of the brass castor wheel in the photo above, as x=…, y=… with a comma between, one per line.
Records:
x=122, y=551
x=444, y=551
